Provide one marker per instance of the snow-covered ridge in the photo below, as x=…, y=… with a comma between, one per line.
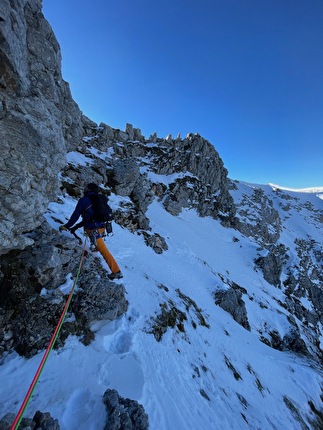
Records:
x=298, y=190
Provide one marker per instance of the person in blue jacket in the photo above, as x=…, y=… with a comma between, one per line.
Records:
x=94, y=229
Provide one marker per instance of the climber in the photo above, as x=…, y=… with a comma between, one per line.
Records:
x=94, y=229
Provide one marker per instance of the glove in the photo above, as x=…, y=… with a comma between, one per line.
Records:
x=63, y=228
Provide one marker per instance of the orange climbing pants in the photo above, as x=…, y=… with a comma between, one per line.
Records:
x=102, y=248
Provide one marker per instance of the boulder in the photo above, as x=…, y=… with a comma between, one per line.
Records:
x=124, y=414
x=231, y=301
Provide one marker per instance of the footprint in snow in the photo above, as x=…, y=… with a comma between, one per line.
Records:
x=121, y=344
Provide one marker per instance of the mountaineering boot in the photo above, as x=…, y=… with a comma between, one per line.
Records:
x=116, y=275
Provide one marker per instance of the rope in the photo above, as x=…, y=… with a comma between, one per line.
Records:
x=51, y=344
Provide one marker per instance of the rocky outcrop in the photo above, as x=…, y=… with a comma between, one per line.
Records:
x=257, y=217
x=128, y=181
x=184, y=173
x=124, y=414
x=195, y=177
x=263, y=214
x=32, y=302
x=272, y=264
x=291, y=341
x=204, y=184
x=231, y=301
x=171, y=317
x=156, y=242
x=39, y=120
x=40, y=421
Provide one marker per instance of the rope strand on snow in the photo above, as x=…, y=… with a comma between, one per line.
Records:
x=51, y=344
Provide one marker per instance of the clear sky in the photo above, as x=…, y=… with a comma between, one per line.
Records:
x=245, y=74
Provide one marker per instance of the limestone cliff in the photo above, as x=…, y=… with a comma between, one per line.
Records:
x=39, y=119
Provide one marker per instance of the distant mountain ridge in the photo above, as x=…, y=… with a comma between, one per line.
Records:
x=299, y=190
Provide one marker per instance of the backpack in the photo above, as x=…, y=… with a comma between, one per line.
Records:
x=101, y=208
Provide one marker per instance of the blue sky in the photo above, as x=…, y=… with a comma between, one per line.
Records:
x=245, y=74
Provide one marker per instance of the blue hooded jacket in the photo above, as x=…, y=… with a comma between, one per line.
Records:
x=84, y=208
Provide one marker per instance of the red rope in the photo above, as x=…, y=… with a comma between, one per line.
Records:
x=51, y=344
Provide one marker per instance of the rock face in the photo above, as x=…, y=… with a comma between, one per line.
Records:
x=184, y=173
x=196, y=177
x=232, y=302
x=31, y=302
x=38, y=119
x=293, y=267
x=124, y=414
x=272, y=264
x=258, y=218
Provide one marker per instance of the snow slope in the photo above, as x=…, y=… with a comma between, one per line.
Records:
x=209, y=374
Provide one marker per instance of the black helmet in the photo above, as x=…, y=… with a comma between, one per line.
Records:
x=91, y=188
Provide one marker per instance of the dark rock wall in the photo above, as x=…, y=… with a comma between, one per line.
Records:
x=39, y=120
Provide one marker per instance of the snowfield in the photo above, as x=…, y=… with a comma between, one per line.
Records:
x=209, y=374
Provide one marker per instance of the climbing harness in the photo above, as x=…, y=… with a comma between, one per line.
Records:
x=19, y=416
